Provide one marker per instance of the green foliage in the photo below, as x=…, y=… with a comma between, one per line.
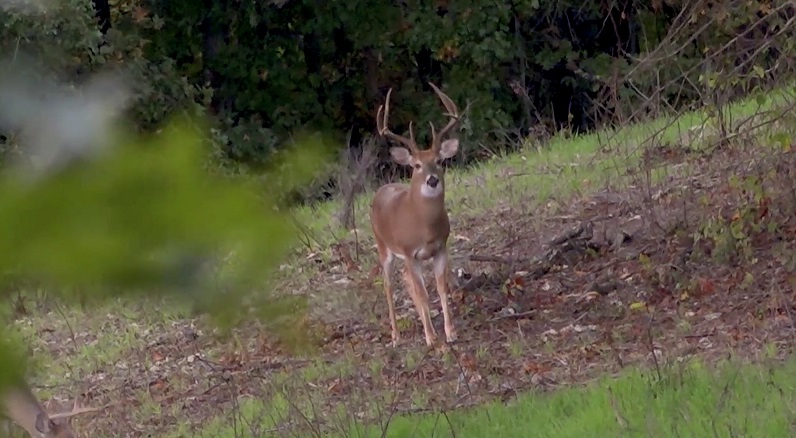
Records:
x=62, y=34
x=265, y=70
x=277, y=67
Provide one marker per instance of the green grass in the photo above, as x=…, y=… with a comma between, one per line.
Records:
x=690, y=400
x=257, y=418
x=695, y=402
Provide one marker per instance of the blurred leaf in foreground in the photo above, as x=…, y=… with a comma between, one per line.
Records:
x=145, y=217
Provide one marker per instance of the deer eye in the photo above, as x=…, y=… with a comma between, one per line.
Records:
x=438, y=161
x=417, y=166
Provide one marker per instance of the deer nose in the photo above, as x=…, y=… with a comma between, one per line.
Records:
x=432, y=181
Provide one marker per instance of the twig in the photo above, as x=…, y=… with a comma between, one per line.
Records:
x=514, y=315
x=486, y=258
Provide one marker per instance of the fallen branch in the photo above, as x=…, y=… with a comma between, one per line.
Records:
x=513, y=315
x=495, y=259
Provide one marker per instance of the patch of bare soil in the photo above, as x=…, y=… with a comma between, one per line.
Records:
x=698, y=265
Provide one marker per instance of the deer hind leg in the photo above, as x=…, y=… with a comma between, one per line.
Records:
x=386, y=257
x=441, y=276
x=417, y=288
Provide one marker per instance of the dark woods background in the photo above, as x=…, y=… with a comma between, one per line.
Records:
x=265, y=71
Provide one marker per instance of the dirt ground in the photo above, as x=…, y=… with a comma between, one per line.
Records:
x=700, y=264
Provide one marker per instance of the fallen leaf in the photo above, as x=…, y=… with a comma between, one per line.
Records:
x=706, y=286
x=638, y=305
x=344, y=253
x=532, y=367
x=374, y=271
x=684, y=296
x=335, y=387
x=589, y=296
x=157, y=384
x=467, y=361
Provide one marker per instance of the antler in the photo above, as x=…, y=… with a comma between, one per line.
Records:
x=75, y=411
x=381, y=126
x=453, y=113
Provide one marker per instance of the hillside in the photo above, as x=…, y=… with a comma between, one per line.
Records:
x=647, y=246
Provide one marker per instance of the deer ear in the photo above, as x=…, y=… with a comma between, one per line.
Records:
x=448, y=148
x=401, y=155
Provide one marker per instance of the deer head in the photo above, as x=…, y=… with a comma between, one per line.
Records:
x=427, y=172
x=22, y=407
x=60, y=424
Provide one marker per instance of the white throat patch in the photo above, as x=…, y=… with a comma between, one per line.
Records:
x=431, y=192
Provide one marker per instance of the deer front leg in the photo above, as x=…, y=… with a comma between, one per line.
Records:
x=386, y=257
x=419, y=294
x=441, y=275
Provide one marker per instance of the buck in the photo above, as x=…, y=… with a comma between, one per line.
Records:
x=410, y=222
x=21, y=406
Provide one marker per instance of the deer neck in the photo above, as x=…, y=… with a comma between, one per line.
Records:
x=430, y=210
x=22, y=408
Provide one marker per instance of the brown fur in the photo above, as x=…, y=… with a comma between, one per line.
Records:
x=415, y=227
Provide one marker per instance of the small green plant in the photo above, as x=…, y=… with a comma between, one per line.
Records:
x=483, y=352
x=517, y=348
x=376, y=368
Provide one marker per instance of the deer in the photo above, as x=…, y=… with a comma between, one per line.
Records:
x=23, y=408
x=410, y=221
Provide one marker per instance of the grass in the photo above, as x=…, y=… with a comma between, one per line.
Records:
x=258, y=417
x=734, y=400
x=688, y=399
x=125, y=324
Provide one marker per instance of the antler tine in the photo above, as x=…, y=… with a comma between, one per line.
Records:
x=453, y=113
x=75, y=411
x=381, y=125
